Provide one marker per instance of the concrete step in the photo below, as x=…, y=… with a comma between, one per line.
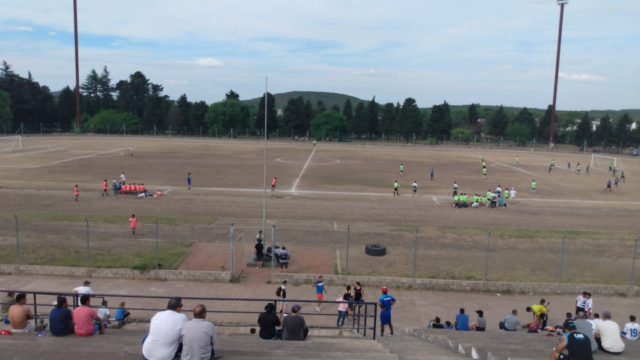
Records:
x=410, y=348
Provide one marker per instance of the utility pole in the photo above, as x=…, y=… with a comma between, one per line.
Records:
x=552, y=127
x=75, y=33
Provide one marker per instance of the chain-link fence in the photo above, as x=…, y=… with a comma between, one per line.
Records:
x=517, y=255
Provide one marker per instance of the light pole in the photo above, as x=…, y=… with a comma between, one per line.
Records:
x=264, y=160
x=552, y=127
x=75, y=35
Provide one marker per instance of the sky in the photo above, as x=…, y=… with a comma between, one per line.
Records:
x=482, y=51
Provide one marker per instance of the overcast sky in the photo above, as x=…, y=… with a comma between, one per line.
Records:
x=482, y=51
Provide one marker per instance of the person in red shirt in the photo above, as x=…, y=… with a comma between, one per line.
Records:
x=85, y=319
x=76, y=192
x=274, y=183
x=133, y=223
x=105, y=188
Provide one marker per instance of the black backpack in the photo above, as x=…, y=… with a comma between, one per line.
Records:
x=279, y=291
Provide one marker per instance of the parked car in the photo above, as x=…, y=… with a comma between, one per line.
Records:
x=634, y=152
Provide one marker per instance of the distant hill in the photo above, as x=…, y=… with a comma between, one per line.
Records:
x=330, y=99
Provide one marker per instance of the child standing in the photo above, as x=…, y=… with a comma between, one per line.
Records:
x=343, y=308
x=76, y=192
x=105, y=188
x=320, y=290
x=133, y=223
x=189, y=181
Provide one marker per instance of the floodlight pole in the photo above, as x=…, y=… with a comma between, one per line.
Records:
x=75, y=34
x=552, y=127
x=264, y=160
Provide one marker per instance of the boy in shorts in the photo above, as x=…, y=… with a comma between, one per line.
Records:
x=320, y=290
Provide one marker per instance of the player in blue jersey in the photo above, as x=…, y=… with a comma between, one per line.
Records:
x=320, y=290
x=385, y=302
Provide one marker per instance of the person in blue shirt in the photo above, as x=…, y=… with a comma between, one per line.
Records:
x=189, y=181
x=462, y=321
x=121, y=313
x=320, y=290
x=385, y=302
x=60, y=318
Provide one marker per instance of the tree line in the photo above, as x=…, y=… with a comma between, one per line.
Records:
x=138, y=105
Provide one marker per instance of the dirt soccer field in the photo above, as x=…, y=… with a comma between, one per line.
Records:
x=320, y=191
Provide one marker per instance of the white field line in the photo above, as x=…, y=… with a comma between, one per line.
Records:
x=335, y=226
x=435, y=200
x=33, y=152
x=295, y=184
x=88, y=156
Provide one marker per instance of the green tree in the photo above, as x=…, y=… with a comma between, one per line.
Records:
x=336, y=108
x=525, y=118
x=91, y=91
x=388, y=120
x=105, y=89
x=196, y=116
x=320, y=107
x=329, y=124
x=518, y=133
x=622, y=131
x=156, y=109
x=133, y=94
x=110, y=120
x=272, y=114
x=66, y=107
x=6, y=116
x=584, y=132
x=232, y=95
x=360, y=121
x=472, y=115
x=461, y=135
x=604, y=131
x=294, y=117
x=347, y=110
x=373, y=120
x=439, y=121
x=498, y=122
x=409, y=119
x=544, y=126
x=228, y=115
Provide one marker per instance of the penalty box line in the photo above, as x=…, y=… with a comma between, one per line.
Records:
x=295, y=184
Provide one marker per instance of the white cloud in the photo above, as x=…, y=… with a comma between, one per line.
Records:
x=369, y=71
x=208, y=61
x=175, y=82
x=582, y=77
x=21, y=29
x=52, y=33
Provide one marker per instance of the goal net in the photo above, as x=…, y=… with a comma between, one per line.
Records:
x=9, y=143
x=605, y=163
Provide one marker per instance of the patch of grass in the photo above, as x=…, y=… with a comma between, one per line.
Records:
x=538, y=233
x=112, y=219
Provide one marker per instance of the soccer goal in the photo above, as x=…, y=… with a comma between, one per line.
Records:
x=9, y=143
x=604, y=163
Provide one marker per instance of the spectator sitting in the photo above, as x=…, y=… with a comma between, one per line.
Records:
x=511, y=322
x=60, y=318
x=462, y=321
x=540, y=313
x=86, y=321
x=7, y=301
x=435, y=323
x=568, y=318
x=577, y=345
x=20, y=316
x=268, y=321
x=84, y=289
x=103, y=312
x=121, y=314
x=608, y=335
x=198, y=336
x=163, y=341
x=294, y=326
x=584, y=326
x=631, y=329
x=481, y=323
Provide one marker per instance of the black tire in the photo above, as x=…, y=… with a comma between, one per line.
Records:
x=375, y=250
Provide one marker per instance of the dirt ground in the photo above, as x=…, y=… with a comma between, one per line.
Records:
x=319, y=193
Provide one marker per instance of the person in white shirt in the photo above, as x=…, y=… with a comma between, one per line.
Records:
x=512, y=194
x=163, y=340
x=123, y=178
x=608, y=335
x=584, y=302
x=631, y=329
x=85, y=289
x=103, y=312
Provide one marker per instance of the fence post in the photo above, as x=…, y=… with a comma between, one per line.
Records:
x=40, y=129
x=346, y=263
x=157, y=247
x=232, y=247
x=486, y=257
x=415, y=254
x=86, y=221
x=17, y=239
x=632, y=279
x=561, y=270
x=273, y=246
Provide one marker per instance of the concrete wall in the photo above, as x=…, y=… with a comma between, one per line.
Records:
x=461, y=285
x=84, y=272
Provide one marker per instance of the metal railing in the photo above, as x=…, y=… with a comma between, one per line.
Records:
x=237, y=309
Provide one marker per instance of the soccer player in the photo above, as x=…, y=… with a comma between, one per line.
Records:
x=385, y=302
x=114, y=187
x=588, y=166
x=133, y=223
x=622, y=176
x=484, y=171
x=552, y=164
x=414, y=187
x=631, y=329
x=189, y=181
x=76, y=192
x=534, y=186
x=274, y=183
x=432, y=175
x=320, y=290
x=401, y=169
x=616, y=181
x=123, y=178
x=455, y=188
x=131, y=150
x=396, y=188
x=105, y=188
x=605, y=189
x=517, y=162
x=578, y=168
